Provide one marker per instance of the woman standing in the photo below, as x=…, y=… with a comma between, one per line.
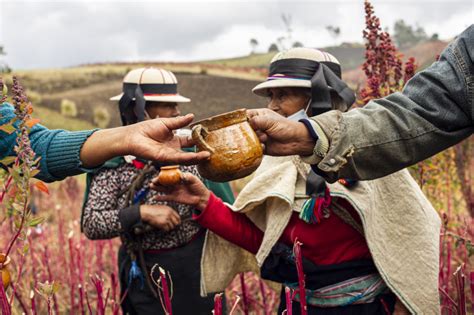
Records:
x=119, y=203
x=361, y=251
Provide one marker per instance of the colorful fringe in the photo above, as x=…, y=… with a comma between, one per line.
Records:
x=136, y=273
x=359, y=290
x=312, y=210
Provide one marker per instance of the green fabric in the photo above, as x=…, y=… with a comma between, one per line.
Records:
x=221, y=190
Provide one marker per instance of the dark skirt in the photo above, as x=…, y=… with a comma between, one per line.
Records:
x=280, y=267
x=184, y=265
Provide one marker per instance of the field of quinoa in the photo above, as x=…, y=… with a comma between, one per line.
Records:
x=49, y=267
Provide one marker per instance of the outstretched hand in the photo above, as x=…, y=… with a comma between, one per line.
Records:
x=154, y=140
x=151, y=140
x=280, y=136
x=190, y=191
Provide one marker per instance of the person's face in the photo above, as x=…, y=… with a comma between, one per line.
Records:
x=287, y=101
x=162, y=109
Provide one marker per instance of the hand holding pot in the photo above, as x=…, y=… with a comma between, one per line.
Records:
x=169, y=175
x=190, y=191
x=281, y=136
x=233, y=145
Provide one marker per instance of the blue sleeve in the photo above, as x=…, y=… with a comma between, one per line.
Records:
x=59, y=149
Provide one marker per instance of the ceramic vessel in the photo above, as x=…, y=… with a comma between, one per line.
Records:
x=169, y=175
x=234, y=146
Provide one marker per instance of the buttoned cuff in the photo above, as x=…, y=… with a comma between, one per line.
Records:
x=322, y=143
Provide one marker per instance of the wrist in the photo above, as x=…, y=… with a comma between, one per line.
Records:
x=306, y=142
x=119, y=140
x=103, y=145
x=203, y=201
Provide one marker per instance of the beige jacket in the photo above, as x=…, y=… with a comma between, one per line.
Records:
x=400, y=225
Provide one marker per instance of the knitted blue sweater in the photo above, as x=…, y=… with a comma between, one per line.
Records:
x=59, y=149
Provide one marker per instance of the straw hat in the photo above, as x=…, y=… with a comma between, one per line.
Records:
x=158, y=85
x=275, y=80
x=309, y=68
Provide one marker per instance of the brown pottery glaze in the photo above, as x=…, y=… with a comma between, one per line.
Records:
x=5, y=260
x=234, y=146
x=169, y=175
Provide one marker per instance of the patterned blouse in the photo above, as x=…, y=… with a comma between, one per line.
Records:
x=106, y=199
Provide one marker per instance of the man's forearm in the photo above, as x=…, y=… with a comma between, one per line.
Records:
x=433, y=113
x=380, y=139
x=103, y=145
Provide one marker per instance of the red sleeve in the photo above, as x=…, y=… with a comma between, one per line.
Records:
x=231, y=226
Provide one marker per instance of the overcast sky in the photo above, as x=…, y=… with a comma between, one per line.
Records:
x=39, y=34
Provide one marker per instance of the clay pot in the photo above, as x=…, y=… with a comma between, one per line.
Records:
x=169, y=175
x=234, y=146
x=5, y=260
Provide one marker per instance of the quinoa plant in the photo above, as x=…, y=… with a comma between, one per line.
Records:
x=445, y=178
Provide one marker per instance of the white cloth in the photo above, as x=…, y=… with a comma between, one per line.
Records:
x=401, y=228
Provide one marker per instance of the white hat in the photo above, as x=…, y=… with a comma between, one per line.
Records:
x=293, y=77
x=157, y=85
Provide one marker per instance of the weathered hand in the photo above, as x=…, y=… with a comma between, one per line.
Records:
x=160, y=216
x=281, y=136
x=190, y=191
x=154, y=140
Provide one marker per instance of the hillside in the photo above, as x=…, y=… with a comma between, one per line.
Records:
x=349, y=55
x=214, y=86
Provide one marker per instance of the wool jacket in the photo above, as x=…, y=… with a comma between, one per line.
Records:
x=434, y=111
x=59, y=149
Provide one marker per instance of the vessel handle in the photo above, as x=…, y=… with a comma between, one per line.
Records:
x=197, y=133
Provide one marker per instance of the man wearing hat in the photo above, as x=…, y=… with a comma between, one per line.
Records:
x=119, y=203
x=360, y=251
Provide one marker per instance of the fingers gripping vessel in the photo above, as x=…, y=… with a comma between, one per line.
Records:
x=234, y=146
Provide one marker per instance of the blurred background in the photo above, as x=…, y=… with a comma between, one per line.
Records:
x=71, y=57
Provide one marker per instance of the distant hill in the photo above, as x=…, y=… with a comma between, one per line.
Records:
x=257, y=60
x=214, y=86
x=349, y=55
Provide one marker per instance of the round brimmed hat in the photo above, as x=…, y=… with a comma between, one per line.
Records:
x=308, y=68
x=146, y=84
x=157, y=85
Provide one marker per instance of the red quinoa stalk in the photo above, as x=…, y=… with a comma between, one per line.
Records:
x=301, y=277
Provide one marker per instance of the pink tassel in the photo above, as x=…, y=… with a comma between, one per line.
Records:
x=5, y=307
x=218, y=304
x=301, y=277
x=471, y=277
x=460, y=280
x=33, y=304
x=166, y=293
x=264, y=299
x=289, y=301
x=244, y=293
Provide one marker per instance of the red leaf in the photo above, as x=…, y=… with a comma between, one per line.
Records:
x=42, y=186
x=31, y=122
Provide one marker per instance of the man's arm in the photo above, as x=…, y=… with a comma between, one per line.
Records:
x=434, y=112
x=66, y=153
